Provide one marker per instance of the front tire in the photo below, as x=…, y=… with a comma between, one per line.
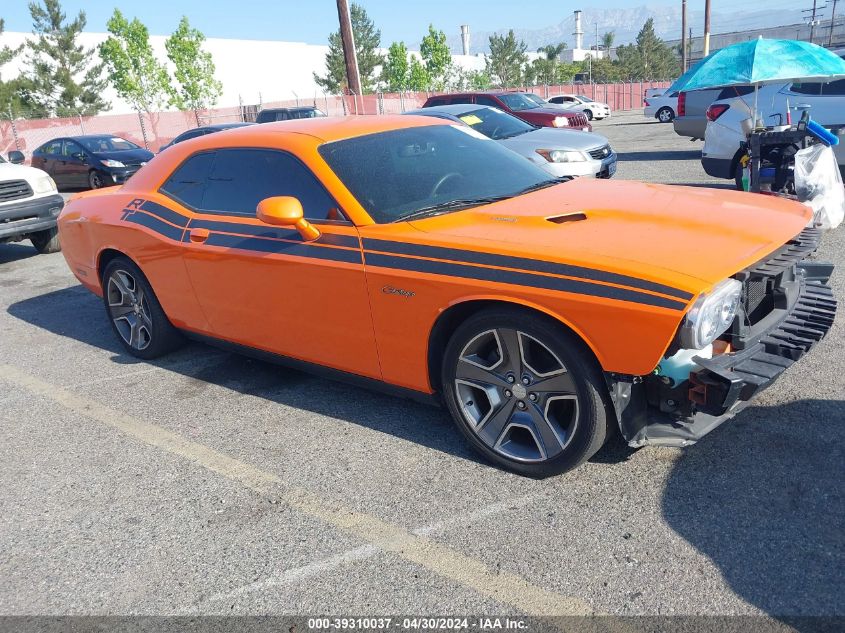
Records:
x=136, y=316
x=98, y=180
x=46, y=241
x=665, y=115
x=525, y=393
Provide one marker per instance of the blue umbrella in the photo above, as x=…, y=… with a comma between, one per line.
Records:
x=761, y=61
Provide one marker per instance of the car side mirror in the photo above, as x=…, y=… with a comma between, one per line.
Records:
x=16, y=157
x=286, y=211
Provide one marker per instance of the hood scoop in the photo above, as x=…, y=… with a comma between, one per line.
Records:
x=563, y=218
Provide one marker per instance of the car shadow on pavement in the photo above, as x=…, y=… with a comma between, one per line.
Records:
x=423, y=424
x=16, y=251
x=762, y=497
x=662, y=154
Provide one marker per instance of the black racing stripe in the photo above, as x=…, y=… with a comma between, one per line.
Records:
x=246, y=229
x=154, y=224
x=153, y=208
x=520, y=279
x=524, y=263
x=253, y=230
x=307, y=249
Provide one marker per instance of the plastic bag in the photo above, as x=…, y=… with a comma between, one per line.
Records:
x=818, y=184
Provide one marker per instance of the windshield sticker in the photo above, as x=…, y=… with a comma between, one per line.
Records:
x=468, y=130
x=470, y=119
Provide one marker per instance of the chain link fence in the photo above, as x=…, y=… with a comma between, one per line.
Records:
x=153, y=130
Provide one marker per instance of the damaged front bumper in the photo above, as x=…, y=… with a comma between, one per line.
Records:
x=650, y=412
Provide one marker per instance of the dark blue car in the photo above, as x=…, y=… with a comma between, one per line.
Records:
x=90, y=161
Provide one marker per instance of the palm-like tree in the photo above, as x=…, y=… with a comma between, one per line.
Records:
x=607, y=40
x=552, y=52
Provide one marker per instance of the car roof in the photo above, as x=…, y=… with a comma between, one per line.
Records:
x=452, y=108
x=93, y=136
x=225, y=126
x=327, y=129
x=289, y=109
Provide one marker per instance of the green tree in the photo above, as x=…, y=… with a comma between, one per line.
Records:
x=62, y=81
x=607, y=40
x=137, y=76
x=545, y=69
x=436, y=55
x=418, y=78
x=193, y=69
x=649, y=58
x=7, y=53
x=394, y=71
x=367, y=40
x=506, y=59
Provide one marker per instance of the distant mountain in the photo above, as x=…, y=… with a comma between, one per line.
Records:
x=626, y=23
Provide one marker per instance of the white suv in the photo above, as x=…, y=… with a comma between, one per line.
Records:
x=725, y=118
x=29, y=205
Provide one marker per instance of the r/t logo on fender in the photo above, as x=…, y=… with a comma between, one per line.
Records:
x=390, y=290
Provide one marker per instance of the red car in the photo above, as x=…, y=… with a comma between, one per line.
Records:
x=519, y=105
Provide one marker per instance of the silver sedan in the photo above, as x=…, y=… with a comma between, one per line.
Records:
x=561, y=152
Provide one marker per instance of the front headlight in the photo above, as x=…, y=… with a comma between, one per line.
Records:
x=112, y=163
x=44, y=184
x=711, y=315
x=560, y=121
x=562, y=156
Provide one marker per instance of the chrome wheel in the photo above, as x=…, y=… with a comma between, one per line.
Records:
x=665, y=115
x=516, y=395
x=129, y=309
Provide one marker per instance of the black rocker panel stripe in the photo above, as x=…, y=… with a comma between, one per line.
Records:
x=528, y=279
x=507, y=261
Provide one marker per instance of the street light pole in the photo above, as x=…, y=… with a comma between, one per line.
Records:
x=684, y=35
x=706, y=28
x=347, y=38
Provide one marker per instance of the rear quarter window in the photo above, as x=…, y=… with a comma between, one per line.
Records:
x=187, y=183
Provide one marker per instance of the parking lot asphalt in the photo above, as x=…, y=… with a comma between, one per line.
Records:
x=208, y=483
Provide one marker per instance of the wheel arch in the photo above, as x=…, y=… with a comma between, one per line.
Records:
x=453, y=316
x=105, y=256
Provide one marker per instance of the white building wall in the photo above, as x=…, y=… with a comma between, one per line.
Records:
x=254, y=71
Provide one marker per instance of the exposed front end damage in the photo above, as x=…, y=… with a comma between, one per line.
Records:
x=787, y=306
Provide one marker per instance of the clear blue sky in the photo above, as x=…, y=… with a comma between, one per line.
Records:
x=312, y=20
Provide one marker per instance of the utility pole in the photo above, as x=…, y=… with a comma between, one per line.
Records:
x=813, y=21
x=684, y=36
x=347, y=38
x=706, y=28
x=832, y=22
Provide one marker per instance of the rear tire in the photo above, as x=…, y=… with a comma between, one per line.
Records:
x=526, y=394
x=665, y=115
x=134, y=312
x=589, y=114
x=46, y=241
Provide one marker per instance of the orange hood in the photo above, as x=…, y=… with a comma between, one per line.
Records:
x=687, y=237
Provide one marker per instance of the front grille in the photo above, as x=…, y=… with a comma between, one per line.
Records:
x=764, y=285
x=600, y=152
x=14, y=190
x=578, y=120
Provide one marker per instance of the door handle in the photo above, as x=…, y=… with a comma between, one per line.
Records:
x=802, y=106
x=198, y=236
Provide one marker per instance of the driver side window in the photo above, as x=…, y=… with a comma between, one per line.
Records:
x=72, y=150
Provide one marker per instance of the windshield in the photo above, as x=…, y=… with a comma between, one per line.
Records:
x=536, y=99
x=517, y=101
x=107, y=144
x=495, y=124
x=435, y=168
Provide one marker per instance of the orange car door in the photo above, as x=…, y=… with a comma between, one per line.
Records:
x=263, y=286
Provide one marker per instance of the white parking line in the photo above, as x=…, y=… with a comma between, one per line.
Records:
x=499, y=585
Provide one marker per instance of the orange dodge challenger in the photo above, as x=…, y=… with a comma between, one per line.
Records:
x=415, y=254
